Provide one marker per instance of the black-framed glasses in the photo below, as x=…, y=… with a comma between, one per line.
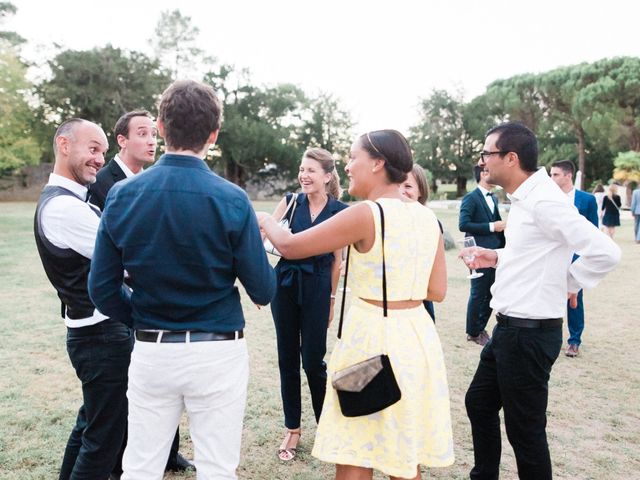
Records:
x=484, y=155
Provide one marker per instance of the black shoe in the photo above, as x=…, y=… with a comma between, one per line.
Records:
x=179, y=464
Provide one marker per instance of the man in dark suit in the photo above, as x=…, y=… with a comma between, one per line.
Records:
x=480, y=218
x=562, y=173
x=136, y=134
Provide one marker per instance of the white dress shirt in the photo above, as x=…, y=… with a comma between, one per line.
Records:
x=487, y=198
x=68, y=222
x=492, y=206
x=534, y=271
x=123, y=166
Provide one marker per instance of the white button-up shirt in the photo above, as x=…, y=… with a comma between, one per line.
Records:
x=534, y=271
x=123, y=166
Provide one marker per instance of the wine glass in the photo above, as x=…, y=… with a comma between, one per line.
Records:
x=468, y=242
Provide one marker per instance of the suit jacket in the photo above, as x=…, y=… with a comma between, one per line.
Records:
x=587, y=206
x=635, y=202
x=107, y=176
x=475, y=217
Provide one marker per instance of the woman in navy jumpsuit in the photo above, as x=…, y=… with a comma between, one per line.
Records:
x=303, y=305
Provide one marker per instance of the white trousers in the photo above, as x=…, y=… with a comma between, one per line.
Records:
x=209, y=380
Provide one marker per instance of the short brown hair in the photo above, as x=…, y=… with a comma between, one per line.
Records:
x=189, y=111
x=122, y=125
x=423, y=185
x=566, y=166
x=66, y=129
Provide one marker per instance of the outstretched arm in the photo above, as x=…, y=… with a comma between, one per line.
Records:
x=353, y=225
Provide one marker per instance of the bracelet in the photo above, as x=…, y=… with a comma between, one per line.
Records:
x=333, y=296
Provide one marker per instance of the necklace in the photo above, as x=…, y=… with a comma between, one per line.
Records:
x=314, y=215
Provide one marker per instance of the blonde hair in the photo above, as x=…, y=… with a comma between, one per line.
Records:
x=328, y=164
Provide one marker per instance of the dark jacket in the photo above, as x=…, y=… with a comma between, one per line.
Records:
x=475, y=217
x=107, y=176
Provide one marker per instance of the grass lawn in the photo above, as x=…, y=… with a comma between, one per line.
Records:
x=593, y=427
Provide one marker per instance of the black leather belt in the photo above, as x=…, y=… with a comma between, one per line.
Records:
x=528, y=322
x=181, y=337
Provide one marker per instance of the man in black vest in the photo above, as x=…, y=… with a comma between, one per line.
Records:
x=137, y=138
x=99, y=347
x=480, y=218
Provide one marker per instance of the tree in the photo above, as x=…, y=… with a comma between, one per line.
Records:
x=442, y=140
x=627, y=167
x=327, y=125
x=615, y=89
x=258, y=135
x=175, y=44
x=7, y=9
x=18, y=148
x=516, y=99
x=100, y=85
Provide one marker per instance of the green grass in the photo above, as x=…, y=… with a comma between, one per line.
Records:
x=594, y=425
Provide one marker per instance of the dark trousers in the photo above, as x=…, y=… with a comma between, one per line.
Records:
x=478, y=309
x=100, y=355
x=575, y=321
x=301, y=315
x=513, y=374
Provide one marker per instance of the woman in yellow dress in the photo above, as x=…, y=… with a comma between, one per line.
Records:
x=417, y=429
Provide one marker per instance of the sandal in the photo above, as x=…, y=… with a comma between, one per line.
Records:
x=287, y=450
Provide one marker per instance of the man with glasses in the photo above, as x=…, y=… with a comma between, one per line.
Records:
x=534, y=275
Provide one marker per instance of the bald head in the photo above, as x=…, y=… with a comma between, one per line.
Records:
x=79, y=147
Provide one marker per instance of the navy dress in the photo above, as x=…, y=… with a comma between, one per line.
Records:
x=300, y=311
x=611, y=217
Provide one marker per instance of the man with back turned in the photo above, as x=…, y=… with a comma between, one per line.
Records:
x=184, y=235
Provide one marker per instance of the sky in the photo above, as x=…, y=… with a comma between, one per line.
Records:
x=378, y=57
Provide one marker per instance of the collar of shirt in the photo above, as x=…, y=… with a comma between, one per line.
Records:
x=572, y=195
x=64, y=182
x=528, y=185
x=487, y=198
x=186, y=161
x=127, y=171
x=483, y=190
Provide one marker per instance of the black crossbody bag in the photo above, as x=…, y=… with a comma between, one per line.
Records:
x=368, y=386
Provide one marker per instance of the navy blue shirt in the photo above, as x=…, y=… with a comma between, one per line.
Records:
x=184, y=235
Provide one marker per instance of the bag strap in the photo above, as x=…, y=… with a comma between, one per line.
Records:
x=384, y=276
x=291, y=206
x=384, y=267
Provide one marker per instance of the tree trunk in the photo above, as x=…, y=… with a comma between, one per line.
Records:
x=235, y=173
x=461, y=186
x=634, y=139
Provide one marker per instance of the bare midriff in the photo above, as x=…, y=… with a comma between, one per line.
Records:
x=395, y=305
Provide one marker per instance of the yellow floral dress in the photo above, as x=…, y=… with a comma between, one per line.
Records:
x=417, y=429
